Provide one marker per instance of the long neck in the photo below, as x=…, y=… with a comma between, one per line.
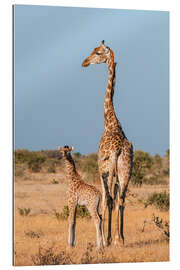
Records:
x=110, y=119
x=70, y=166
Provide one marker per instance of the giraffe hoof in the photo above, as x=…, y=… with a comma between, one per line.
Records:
x=109, y=241
x=69, y=247
x=118, y=242
x=100, y=249
x=105, y=244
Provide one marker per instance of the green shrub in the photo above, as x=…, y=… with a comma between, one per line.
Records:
x=163, y=226
x=142, y=161
x=22, y=156
x=77, y=155
x=35, y=163
x=160, y=200
x=54, y=181
x=81, y=211
x=52, y=154
x=32, y=234
x=89, y=165
x=19, y=170
x=24, y=211
x=157, y=161
x=50, y=165
x=33, y=159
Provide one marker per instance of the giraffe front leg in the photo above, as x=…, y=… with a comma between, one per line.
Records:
x=104, y=206
x=71, y=224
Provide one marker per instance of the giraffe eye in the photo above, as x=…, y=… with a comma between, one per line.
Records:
x=98, y=53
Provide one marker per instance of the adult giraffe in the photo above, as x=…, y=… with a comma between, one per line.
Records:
x=115, y=152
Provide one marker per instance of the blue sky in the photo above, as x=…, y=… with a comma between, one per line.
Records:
x=58, y=102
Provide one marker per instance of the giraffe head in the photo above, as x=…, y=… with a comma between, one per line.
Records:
x=99, y=55
x=66, y=150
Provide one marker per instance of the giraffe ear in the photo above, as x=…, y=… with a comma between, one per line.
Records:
x=71, y=149
x=60, y=148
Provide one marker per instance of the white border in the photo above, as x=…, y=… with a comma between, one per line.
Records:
x=6, y=122
x=128, y=4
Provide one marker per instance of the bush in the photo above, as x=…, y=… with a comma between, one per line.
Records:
x=32, y=234
x=33, y=159
x=50, y=165
x=142, y=161
x=77, y=155
x=81, y=211
x=89, y=165
x=155, y=180
x=48, y=257
x=19, y=170
x=54, y=182
x=24, y=211
x=160, y=200
x=52, y=154
x=35, y=163
x=157, y=161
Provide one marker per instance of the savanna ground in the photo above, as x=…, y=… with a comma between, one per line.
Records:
x=40, y=212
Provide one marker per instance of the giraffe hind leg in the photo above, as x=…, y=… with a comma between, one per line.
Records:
x=124, y=174
x=109, y=204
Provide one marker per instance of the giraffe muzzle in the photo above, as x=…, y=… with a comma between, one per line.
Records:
x=85, y=63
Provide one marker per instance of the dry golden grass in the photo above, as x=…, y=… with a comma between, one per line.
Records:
x=144, y=242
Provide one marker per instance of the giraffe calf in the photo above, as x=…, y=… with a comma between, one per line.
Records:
x=83, y=194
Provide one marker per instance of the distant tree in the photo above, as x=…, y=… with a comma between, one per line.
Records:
x=77, y=154
x=157, y=160
x=167, y=153
x=142, y=161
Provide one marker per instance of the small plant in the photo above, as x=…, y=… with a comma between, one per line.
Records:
x=60, y=216
x=163, y=226
x=81, y=211
x=91, y=256
x=51, y=169
x=32, y=234
x=87, y=258
x=48, y=257
x=24, y=211
x=54, y=181
x=160, y=200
